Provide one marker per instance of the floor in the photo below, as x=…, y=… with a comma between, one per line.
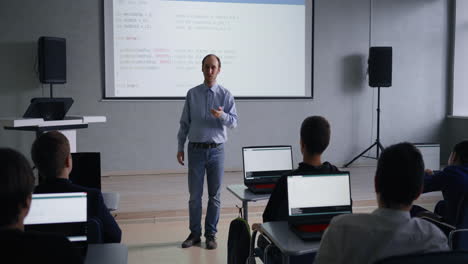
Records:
x=153, y=213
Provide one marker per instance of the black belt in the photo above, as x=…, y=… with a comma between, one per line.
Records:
x=204, y=145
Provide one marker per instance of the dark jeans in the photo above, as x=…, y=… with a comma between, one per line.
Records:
x=200, y=160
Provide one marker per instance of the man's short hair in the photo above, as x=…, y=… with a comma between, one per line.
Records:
x=203, y=61
x=461, y=149
x=49, y=153
x=315, y=134
x=399, y=175
x=16, y=185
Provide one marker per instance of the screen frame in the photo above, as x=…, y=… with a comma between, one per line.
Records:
x=319, y=218
x=107, y=54
x=248, y=180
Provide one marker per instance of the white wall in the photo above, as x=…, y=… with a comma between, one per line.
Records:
x=460, y=76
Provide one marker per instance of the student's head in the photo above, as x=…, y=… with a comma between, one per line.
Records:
x=459, y=154
x=315, y=135
x=16, y=186
x=50, y=153
x=399, y=176
x=211, y=66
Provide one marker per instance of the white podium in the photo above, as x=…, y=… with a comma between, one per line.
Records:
x=67, y=126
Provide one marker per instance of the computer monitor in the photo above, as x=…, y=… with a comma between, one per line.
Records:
x=63, y=213
x=86, y=169
x=266, y=162
x=318, y=198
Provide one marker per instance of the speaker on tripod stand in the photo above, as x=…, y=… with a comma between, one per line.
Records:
x=380, y=75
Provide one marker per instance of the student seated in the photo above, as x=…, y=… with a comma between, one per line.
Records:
x=51, y=155
x=452, y=181
x=389, y=230
x=315, y=137
x=18, y=246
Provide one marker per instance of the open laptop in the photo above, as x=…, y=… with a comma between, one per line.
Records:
x=313, y=200
x=62, y=213
x=264, y=165
x=431, y=155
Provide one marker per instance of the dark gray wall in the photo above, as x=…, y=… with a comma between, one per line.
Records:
x=456, y=131
x=141, y=136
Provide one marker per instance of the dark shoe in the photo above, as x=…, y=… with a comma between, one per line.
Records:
x=211, y=242
x=191, y=240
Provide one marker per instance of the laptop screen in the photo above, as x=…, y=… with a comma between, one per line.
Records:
x=323, y=194
x=431, y=155
x=64, y=213
x=266, y=161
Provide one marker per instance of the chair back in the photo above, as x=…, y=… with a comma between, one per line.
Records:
x=452, y=257
x=460, y=239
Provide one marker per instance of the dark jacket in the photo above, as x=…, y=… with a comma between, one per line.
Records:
x=33, y=247
x=277, y=207
x=453, y=182
x=96, y=207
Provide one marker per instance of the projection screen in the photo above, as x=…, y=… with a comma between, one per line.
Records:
x=154, y=48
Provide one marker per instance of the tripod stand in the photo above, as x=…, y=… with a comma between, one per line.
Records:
x=377, y=141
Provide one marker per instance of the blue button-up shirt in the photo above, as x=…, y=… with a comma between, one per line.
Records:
x=198, y=123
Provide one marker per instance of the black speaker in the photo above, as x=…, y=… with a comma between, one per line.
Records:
x=380, y=66
x=52, y=60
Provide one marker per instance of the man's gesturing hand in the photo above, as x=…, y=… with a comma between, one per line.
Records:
x=180, y=157
x=217, y=113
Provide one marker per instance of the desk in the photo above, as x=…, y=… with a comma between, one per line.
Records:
x=107, y=254
x=243, y=194
x=67, y=126
x=287, y=241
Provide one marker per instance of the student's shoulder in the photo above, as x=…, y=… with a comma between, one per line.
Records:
x=45, y=240
x=352, y=220
x=427, y=227
x=331, y=168
x=427, y=231
x=81, y=188
x=40, y=189
x=453, y=170
x=344, y=218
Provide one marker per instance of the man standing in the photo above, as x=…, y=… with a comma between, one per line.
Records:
x=209, y=108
